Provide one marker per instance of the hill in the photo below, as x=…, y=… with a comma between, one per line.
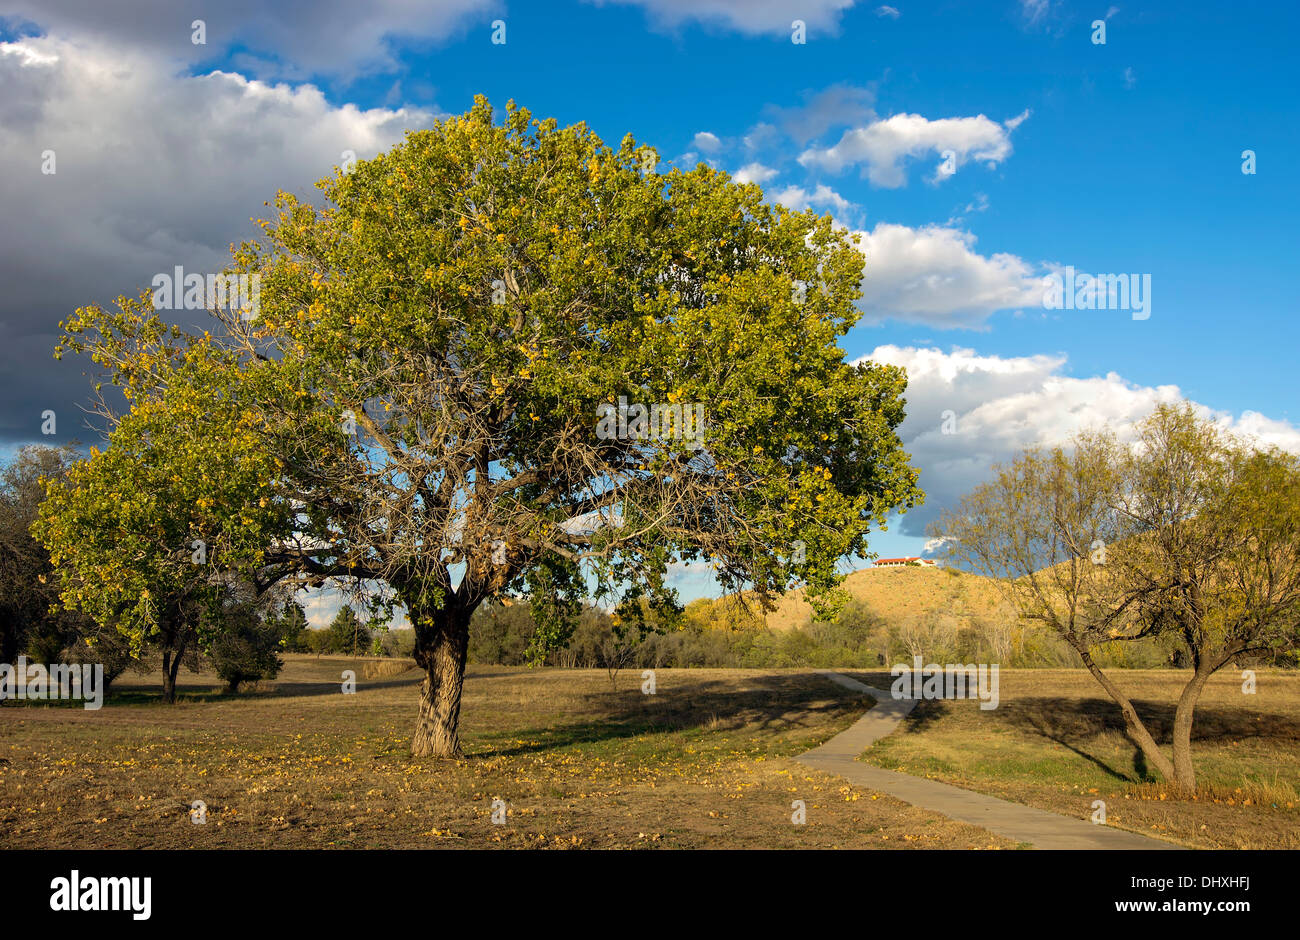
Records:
x=899, y=593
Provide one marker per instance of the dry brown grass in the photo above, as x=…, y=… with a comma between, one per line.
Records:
x=383, y=668
x=704, y=763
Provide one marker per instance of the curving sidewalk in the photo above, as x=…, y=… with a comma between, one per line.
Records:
x=1037, y=827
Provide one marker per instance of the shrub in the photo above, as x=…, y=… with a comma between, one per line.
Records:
x=246, y=650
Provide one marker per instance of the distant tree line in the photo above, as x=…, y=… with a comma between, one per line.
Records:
x=349, y=635
x=240, y=633
x=725, y=633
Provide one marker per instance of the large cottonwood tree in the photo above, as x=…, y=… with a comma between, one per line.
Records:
x=438, y=348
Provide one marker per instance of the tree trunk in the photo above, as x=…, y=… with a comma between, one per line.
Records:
x=1136, y=730
x=171, y=667
x=169, y=678
x=441, y=646
x=1184, y=772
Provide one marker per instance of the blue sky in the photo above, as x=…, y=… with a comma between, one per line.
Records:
x=1122, y=157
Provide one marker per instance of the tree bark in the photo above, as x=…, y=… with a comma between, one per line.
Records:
x=169, y=678
x=171, y=667
x=1136, y=730
x=441, y=647
x=1184, y=771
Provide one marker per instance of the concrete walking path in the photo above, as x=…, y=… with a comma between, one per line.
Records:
x=1039, y=828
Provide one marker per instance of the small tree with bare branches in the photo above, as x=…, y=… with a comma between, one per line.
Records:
x=1189, y=534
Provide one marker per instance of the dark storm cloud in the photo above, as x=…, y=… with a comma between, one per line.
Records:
x=294, y=39
x=153, y=169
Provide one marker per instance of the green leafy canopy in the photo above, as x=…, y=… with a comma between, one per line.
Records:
x=415, y=401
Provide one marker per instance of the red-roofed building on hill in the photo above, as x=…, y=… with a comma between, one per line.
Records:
x=901, y=562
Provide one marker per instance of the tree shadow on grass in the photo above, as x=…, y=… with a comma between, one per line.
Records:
x=1076, y=723
x=926, y=713
x=216, y=691
x=877, y=678
x=1067, y=722
x=781, y=703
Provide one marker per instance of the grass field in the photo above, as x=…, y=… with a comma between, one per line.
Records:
x=703, y=763
x=1057, y=742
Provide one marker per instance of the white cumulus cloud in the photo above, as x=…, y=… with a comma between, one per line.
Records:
x=754, y=173
x=821, y=195
x=934, y=275
x=706, y=141
x=966, y=412
x=881, y=147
